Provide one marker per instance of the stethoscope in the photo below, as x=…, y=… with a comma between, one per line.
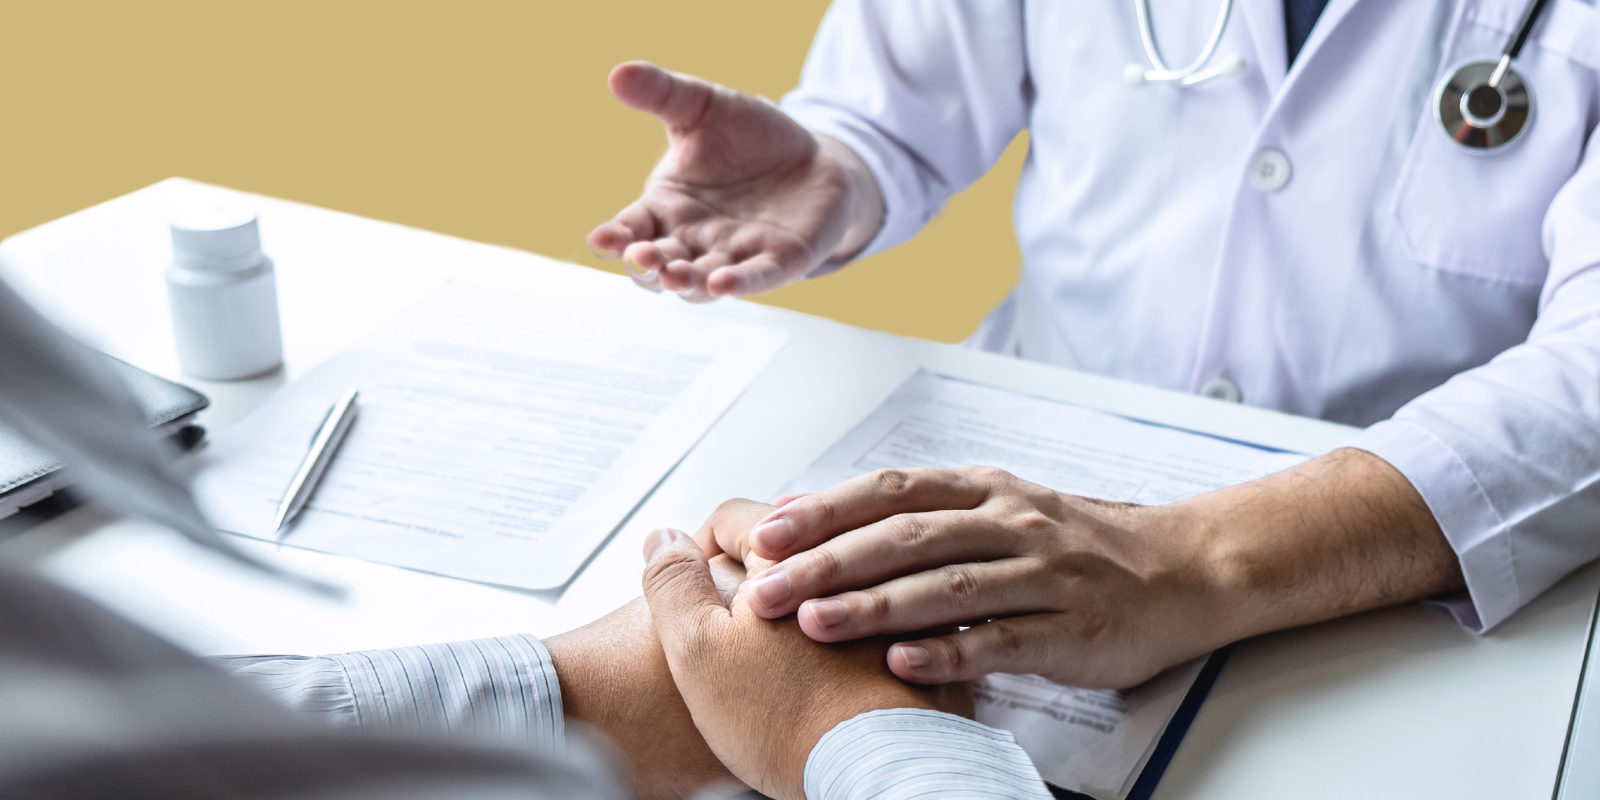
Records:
x=1481, y=106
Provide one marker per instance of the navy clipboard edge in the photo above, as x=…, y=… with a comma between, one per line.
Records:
x=1167, y=746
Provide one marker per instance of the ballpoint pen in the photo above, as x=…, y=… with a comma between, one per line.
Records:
x=323, y=445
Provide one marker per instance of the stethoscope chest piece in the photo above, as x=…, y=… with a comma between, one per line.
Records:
x=1480, y=114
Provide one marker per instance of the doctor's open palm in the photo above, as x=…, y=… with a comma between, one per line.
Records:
x=744, y=201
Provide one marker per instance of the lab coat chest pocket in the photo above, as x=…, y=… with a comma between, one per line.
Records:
x=1480, y=212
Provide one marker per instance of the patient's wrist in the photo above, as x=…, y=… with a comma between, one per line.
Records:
x=614, y=677
x=600, y=664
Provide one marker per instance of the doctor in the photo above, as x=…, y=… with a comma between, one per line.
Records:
x=1321, y=217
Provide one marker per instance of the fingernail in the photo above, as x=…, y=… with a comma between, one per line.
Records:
x=773, y=536
x=604, y=255
x=771, y=590
x=828, y=613
x=644, y=279
x=638, y=272
x=658, y=538
x=914, y=656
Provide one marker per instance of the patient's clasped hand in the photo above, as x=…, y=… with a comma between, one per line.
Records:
x=692, y=685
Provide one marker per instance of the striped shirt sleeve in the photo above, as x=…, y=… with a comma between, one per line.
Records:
x=915, y=753
x=503, y=688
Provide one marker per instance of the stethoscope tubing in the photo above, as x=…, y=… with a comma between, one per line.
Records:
x=1519, y=37
x=1163, y=74
x=1481, y=128
x=1195, y=72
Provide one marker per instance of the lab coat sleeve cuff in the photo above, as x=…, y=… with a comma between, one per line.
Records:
x=1463, y=510
x=917, y=753
x=501, y=689
x=902, y=182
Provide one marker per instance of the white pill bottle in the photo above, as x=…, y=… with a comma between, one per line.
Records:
x=223, y=294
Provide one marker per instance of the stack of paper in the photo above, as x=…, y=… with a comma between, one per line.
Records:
x=501, y=437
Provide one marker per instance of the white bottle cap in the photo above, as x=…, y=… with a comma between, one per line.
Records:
x=220, y=238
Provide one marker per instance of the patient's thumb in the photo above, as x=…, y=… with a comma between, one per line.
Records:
x=677, y=579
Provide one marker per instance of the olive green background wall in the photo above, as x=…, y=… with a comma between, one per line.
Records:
x=486, y=120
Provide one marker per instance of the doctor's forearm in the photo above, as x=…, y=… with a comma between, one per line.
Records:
x=1334, y=536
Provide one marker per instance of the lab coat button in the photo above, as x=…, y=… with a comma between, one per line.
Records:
x=1269, y=170
x=1221, y=389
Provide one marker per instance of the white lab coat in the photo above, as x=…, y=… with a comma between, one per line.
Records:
x=1449, y=300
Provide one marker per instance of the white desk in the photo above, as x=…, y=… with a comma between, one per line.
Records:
x=1396, y=703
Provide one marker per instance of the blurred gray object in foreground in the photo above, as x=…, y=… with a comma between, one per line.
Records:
x=95, y=707
x=28, y=474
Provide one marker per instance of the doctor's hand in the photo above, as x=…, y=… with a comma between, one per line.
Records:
x=745, y=199
x=760, y=692
x=1081, y=591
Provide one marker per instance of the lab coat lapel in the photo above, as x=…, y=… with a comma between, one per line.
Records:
x=1336, y=11
x=1264, y=19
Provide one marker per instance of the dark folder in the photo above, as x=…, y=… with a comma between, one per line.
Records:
x=28, y=474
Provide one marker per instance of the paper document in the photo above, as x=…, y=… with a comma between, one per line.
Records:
x=1089, y=741
x=500, y=437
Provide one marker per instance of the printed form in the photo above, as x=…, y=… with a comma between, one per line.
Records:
x=501, y=437
x=1091, y=741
